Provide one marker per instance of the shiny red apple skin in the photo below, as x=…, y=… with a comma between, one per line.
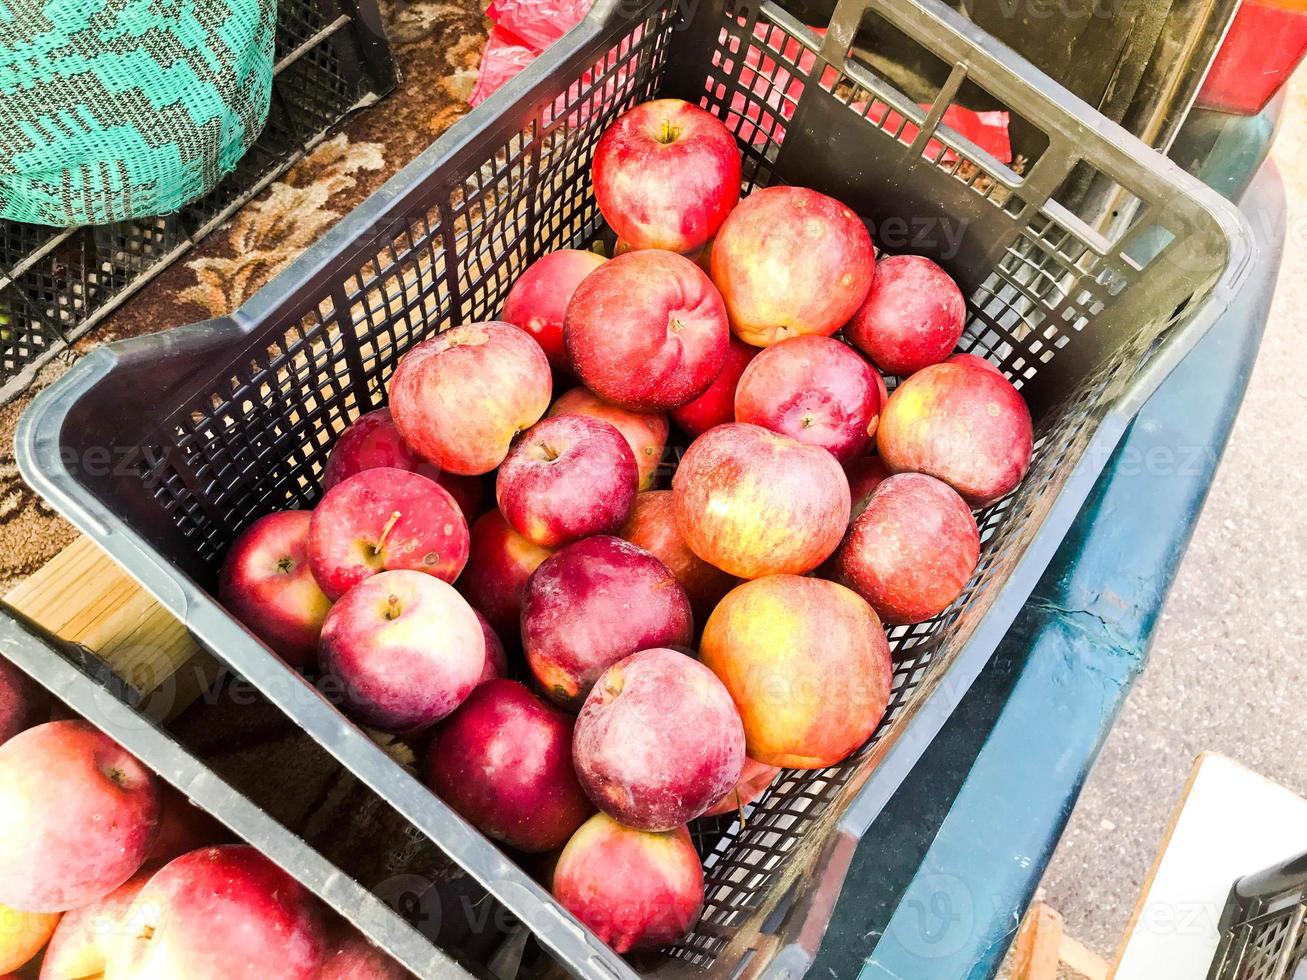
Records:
x=23, y=702
x=912, y=550
x=791, y=261
x=913, y=315
x=352, y=957
x=538, y=300
x=813, y=389
x=666, y=174
x=592, y=603
x=460, y=397
x=647, y=331
x=78, y=816
x=566, y=478
x=383, y=520
x=372, y=440
x=963, y=424
x=652, y=526
x=645, y=432
x=716, y=406
x=635, y=889
x=658, y=740
x=221, y=913
x=499, y=562
x=503, y=760
x=405, y=649
x=268, y=584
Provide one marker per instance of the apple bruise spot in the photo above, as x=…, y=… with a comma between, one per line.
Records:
x=115, y=776
x=431, y=557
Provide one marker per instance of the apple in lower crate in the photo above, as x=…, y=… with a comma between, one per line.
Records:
x=635, y=889
x=352, y=957
x=404, y=648
x=647, y=331
x=755, y=777
x=912, y=550
x=652, y=526
x=753, y=502
x=592, y=603
x=865, y=474
x=80, y=945
x=716, y=406
x=566, y=478
x=496, y=656
x=78, y=815
x=504, y=761
x=791, y=261
x=22, y=934
x=381, y=520
x=666, y=174
x=220, y=913
x=183, y=827
x=913, y=315
x=658, y=740
x=23, y=702
x=538, y=300
x=961, y=423
x=815, y=390
x=268, y=584
x=499, y=562
x=808, y=666
x=460, y=397
x=645, y=432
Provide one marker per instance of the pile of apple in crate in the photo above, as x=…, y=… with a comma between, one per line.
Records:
x=596, y=661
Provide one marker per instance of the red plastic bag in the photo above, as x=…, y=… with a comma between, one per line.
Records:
x=523, y=28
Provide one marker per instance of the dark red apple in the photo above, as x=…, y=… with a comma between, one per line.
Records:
x=268, y=584
x=913, y=315
x=961, y=423
x=790, y=261
x=23, y=702
x=504, y=761
x=382, y=520
x=539, y=298
x=370, y=441
x=658, y=740
x=913, y=549
x=652, y=526
x=460, y=397
x=405, y=649
x=352, y=957
x=499, y=562
x=496, y=656
x=647, y=331
x=592, y=603
x=716, y=406
x=815, y=390
x=665, y=175
x=566, y=478
x=865, y=474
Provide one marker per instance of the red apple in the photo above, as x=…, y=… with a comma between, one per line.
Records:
x=504, y=761
x=496, y=656
x=647, y=331
x=221, y=913
x=405, y=648
x=646, y=432
x=22, y=934
x=80, y=945
x=790, y=261
x=593, y=603
x=352, y=957
x=813, y=389
x=183, y=827
x=975, y=360
x=665, y=175
x=499, y=563
x=566, y=478
x=460, y=397
x=658, y=741
x=807, y=664
x=372, y=440
x=695, y=255
x=913, y=315
x=716, y=406
x=382, y=520
x=913, y=549
x=266, y=582
x=23, y=702
x=753, y=502
x=754, y=780
x=961, y=423
x=865, y=474
x=635, y=889
x=652, y=526
x=539, y=298
x=78, y=816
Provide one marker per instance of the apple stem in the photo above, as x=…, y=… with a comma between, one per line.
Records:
x=549, y=451
x=392, y=607
x=669, y=132
x=385, y=531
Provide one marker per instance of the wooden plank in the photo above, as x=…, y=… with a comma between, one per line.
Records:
x=1037, y=944
x=1081, y=959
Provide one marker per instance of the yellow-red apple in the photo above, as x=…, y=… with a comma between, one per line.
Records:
x=81, y=943
x=716, y=406
x=22, y=934
x=646, y=432
x=652, y=526
x=754, y=780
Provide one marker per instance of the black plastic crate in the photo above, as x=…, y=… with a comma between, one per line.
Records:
x=1085, y=310
x=1264, y=925
x=55, y=284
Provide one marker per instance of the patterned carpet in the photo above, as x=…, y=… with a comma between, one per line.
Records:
x=438, y=47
